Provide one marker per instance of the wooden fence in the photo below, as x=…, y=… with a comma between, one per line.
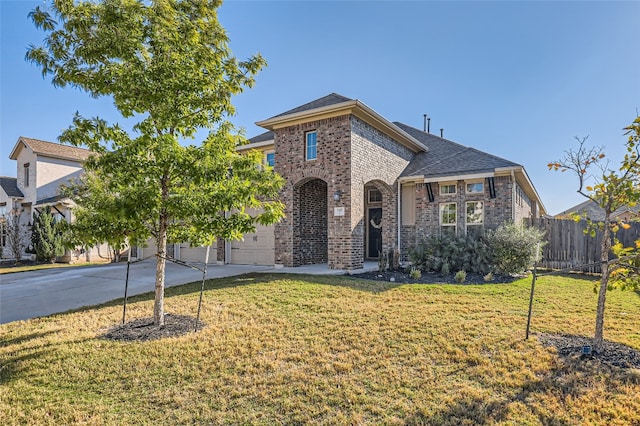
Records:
x=568, y=246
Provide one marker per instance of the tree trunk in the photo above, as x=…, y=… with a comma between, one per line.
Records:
x=161, y=246
x=605, y=246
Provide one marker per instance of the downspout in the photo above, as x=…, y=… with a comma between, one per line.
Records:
x=399, y=218
x=513, y=196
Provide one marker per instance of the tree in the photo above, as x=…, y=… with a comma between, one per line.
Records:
x=612, y=189
x=167, y=65
x=15, y=234
x=46, y=237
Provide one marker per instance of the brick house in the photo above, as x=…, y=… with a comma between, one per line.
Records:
x=358, y=184
x=41, y=168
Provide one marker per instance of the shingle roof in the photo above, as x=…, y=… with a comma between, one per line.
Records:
x=331, y=99
x=10, y=186
x=447, y=158
x=266, y=136
x=56, y=150
x=593, y=211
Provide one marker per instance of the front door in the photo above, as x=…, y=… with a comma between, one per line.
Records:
x=374, y=245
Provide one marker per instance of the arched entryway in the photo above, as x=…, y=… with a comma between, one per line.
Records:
x=310, y=236
x=379, y=230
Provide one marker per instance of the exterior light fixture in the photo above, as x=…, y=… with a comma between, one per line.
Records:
x=337, y=195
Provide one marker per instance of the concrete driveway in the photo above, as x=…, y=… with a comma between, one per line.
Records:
x=25, y=295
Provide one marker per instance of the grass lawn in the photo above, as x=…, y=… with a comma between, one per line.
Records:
x=280, y=349
x=10, y=269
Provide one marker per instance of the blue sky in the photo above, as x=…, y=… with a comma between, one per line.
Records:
x=516, y=79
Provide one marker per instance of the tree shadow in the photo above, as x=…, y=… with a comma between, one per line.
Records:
x=570, y=378
x=10, y=365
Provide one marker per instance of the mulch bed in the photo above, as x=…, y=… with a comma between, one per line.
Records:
x=399, y=276
x=143, y=329
x=570, y=347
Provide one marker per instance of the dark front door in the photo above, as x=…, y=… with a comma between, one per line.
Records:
x=374, y=246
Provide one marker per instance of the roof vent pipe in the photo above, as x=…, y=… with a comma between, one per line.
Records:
x=424, y=126
x=428, y=124
x=441, y=133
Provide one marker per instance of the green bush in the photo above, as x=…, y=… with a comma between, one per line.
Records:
x=510, y=249
x=446, y=253
x=514, y=248
x=47, y=236
x=460, y=276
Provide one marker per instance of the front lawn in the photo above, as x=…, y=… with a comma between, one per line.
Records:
x=279, y=349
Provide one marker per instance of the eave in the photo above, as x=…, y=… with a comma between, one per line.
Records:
x=351, y=107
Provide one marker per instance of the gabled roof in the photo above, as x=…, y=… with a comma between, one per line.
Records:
x=50, y=149
x=10, y=186
x=447, y=158
x=263, y=137
x=335, y=105
x=331, y=99
x=593, y=211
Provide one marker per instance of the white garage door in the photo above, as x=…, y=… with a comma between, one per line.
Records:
x=257, y=248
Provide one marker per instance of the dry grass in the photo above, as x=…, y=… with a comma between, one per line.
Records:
x=10, y=269
x=327, y=350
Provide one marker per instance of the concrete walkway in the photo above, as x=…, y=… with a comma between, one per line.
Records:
x=25, y=295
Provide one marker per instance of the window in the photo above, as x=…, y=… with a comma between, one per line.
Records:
x=375, y=196
x=270, y=159
x=447, y=188
x=311, y=139
x=3, y=234
x=475, y=188
x=474, y=217
x=448, y=217
x=26, y=174
x=409, y=204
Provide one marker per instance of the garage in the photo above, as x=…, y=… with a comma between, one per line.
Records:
x=257, y=248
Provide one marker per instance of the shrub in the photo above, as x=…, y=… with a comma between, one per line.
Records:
x=46, y=237
x=469, y=253
x=460, y=276
x=415, y=273
x=514, y=248
x=488, y=278
x=383, y=261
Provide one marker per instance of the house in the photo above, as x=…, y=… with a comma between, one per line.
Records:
x=358, y=184
x=41, y=168
x=593, y=211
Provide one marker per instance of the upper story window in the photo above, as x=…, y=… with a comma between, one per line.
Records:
x=311, y=145
x=270, y=159
x=447, y=188
x=475, y=187
x=26, y=174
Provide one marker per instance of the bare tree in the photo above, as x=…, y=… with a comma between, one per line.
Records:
x=15, y=234
x=612, y=189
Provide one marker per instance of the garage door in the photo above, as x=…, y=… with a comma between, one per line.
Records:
x=257, y=248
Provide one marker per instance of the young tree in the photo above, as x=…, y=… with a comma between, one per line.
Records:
x=15, y=234
x=46, y=237
x=612, y=189
x=166, y=64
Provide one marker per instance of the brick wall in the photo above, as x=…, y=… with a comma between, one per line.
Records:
x=350, y=155
x=496, y=210
x=377, y=161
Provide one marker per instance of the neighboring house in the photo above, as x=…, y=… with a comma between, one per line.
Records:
x=593, y=211
x=358, y=184
x=41, y=168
